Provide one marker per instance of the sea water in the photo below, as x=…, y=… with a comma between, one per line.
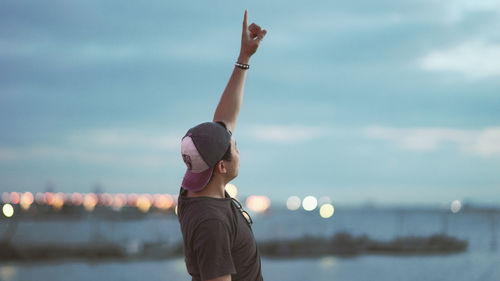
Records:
x=479, y=262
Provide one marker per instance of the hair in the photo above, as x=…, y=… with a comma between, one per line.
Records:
x=227, y=155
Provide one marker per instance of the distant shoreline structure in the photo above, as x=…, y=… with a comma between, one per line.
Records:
x=341, y=244
x=346, y=245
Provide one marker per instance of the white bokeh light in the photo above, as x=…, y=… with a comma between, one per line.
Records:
x=326, y=211
x=309, y=203
x=456, y=206
x=8, y=210
x=232, y=190
x=293, y=203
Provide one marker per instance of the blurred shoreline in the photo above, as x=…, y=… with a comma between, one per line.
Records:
x=341, y=244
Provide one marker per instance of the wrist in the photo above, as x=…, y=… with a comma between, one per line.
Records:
x=243, y=59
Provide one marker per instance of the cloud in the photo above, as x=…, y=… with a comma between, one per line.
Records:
x=457, y=10
x=324, y=21
x=484, y=143
x=80, y=51
x=126, y=139
x=140, y=148
x=487, y=143
x=74, y=154
x=474, y=60
x=284, y=134
x=115, y=147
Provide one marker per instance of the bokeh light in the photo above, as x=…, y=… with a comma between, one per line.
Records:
x=119, y=200
x=326, y=210
x=132, y=199
x=143, y=203
x=163, y=201
x=8, y=272
x=14, y=198
x=76, y=199
x=327, y=262
x=89, y=202
x=106, y=199
x=58, y=201
x=149, y=197
x=26, y=200
x=258, y=203
x=293, y=203
x=5, y=197
x=8, y=210
x=455, y=206
x=232, y=190
x=49, y=197
x=309, y=203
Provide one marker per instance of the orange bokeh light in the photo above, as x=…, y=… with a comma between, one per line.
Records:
x=49, y=197
x=26, y=200
x=76, y=199
x=14, y=198
x=119, y=200
x=258, y=203
x=58, y=201
x=28, y=197
x=106, y=199
x=163, y=201
x=89, y=202
x=132, y=199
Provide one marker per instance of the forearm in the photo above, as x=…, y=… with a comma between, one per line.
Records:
x=230, y=102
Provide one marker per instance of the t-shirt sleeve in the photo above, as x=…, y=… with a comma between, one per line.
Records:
x=212, y=247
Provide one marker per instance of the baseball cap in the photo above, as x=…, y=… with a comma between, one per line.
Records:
x=202, y=147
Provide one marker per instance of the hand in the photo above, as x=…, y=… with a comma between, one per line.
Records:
x=250, y=39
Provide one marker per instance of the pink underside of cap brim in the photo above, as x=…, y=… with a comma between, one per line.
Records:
x=196, y=181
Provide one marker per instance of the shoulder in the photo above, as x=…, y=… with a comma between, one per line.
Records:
x=203, y=213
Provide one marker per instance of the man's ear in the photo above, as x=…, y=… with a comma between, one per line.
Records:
x=221, y=169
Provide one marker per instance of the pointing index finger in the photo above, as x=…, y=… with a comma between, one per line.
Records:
x=245, y=20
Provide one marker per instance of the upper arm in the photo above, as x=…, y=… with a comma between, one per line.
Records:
x=222, y=278
x=229, y=125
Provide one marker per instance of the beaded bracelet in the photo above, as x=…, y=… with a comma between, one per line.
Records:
x=242, y=65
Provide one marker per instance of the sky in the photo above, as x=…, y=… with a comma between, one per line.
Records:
x=385, y=102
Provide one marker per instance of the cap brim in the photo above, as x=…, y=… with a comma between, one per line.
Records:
x=196, y=181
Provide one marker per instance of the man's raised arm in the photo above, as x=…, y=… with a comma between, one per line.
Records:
x=230, y=102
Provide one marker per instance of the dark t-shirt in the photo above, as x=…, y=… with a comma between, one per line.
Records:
x=217, y=239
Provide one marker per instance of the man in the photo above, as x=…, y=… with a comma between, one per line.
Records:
x=218, y=238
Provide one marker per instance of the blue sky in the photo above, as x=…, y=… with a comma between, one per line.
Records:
x=389, y=102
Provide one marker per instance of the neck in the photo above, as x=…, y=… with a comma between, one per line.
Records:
x=215, y=188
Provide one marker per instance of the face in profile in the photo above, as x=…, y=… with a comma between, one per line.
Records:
x=233, y=165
